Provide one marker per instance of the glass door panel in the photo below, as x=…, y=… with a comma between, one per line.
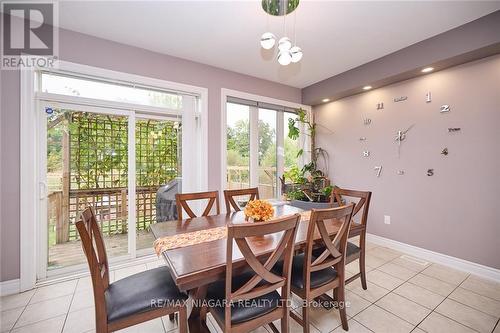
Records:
x=158, y=167
x=291, y=146
x=86, y=165
x=238, y=146
x=267, y=154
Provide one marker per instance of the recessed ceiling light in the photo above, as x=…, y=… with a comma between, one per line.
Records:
x=324, y=100
x=427, y=69
x=367, y=87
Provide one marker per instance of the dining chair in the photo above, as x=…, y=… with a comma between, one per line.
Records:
x=182, y=200
x=355, y=252
x=248, y=300
x=229, y=195
x=131, y=300
x=313, y=276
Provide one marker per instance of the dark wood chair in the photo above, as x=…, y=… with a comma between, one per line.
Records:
x=132, y=300
x=183, y=198
x=244, y=302
x=229, y=195
x=312, y=276
x=360, y=212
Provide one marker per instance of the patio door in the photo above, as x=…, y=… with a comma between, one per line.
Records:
x=114, y=160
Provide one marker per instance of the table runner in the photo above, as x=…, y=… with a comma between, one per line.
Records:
x=201, y=236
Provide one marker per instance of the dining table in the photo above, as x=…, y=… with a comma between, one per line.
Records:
x=195, y=267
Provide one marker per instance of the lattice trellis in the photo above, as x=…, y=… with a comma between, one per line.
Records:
x=99, y=167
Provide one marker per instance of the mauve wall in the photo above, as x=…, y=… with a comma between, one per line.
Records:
x=456, y=211
x=88, y=50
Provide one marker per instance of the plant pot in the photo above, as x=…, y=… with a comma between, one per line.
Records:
x=308, y=205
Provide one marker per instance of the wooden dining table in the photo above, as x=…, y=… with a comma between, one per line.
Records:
x=194, y=267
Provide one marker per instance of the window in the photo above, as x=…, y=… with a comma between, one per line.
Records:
x=258, y=149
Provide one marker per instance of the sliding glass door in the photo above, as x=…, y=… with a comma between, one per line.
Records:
x=258, y=149
x=111, y=157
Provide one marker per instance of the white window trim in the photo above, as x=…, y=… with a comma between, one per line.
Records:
x=225, y=93
x=29, y=166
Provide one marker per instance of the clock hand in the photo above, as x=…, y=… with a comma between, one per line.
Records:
x=409, y=128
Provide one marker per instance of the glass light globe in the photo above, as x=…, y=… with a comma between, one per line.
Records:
x=284, y=57
x=267, y=40
x=296, y=54
x=284, y=44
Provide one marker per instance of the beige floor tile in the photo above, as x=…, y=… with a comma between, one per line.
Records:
x=16, y=300
x=324, y=320
x=354, y=327
x=411, y=263
x=385, y=253
x=437, y=286
x=467, y=316
x=53, y=325
x=372, y=294
x=479, y=302
x=84, y=284
x=403, y=308
x=152, y=326
x=444, y=273
x=371, y=246
x=355, y=303
x=373, y=261
x=80, y=321
x=124, y=272
x=353, y=267
x=54, y=291
x=383, y=279
x=170, y=324
x=294, y=327
x=483, y=287
x=397, y=271
x=44, y=310
x=82, y=300
x=8, y=318
x=419, y=295
x=436, y=323
x=379, y=320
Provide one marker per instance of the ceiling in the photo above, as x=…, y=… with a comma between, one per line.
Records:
x=334, y=36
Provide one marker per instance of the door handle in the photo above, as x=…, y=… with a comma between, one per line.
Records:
x=43, y=190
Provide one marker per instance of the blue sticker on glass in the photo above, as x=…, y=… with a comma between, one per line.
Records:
x=49, y=110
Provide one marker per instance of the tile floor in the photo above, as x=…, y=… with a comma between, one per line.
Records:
x=404, y=294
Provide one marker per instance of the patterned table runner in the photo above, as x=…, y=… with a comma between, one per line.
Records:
x=197, y=237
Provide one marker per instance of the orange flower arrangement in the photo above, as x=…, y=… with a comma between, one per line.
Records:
x=259, y=210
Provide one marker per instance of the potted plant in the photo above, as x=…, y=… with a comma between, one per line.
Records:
x=308, y=187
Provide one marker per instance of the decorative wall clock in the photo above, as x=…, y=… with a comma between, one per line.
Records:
x=400, y=137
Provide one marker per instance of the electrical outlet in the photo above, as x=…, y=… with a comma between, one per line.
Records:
x=387, y=219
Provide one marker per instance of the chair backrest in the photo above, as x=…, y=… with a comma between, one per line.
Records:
x=238, y=233
x=95, y=251
x=230, y=194
x=362, y=205
x=183, y=198
x=335, y=250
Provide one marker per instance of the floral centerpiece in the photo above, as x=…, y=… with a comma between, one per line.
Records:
x=259, y=210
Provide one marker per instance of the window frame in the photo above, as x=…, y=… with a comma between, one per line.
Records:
x=304, y=140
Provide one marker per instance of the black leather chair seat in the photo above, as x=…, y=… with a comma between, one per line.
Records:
x=139, y=292
x=246, y=310
x=318, y=278
x=351, y=249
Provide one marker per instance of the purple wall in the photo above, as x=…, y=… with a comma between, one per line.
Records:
x=454, y=212
x=92, y=51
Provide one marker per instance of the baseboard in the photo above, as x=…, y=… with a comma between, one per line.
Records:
x=443, y=259
x=9, y=287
